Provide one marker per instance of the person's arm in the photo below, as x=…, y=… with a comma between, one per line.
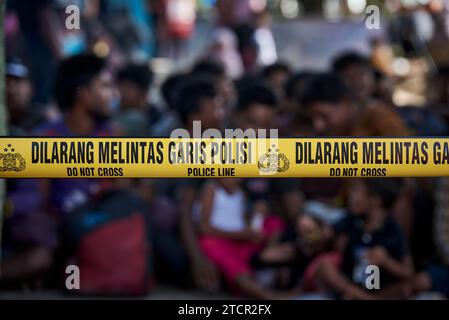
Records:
x=207, y=199
x=402, y=269
x=204, y=273
x=35, y=260
x=279, y=254
x=332, y=278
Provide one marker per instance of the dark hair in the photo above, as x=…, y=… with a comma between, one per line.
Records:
x=208, y=68
x=348, y=58
x=273, y=68
x=292, y=85
x=170, y=88
x=140, y=75
x=74, y=73
x=257, y=93
x=191, y=92
x=388, y=189
x=324, y=87
x=246, y=80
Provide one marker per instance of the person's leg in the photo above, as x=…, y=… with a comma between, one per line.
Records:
x=241, y=276
x=421, y=282
x=333, y=279
x=310, y=281
x=397, y=291
x=250, y=288
x=435, y=278
x=231, y=258
x=25, y=264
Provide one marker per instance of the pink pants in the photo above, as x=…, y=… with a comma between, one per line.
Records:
x=232, y=257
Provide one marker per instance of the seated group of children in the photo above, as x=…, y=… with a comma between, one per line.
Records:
x=358, y=253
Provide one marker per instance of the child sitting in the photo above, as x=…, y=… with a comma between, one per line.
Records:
x=227, y=237
x=299, y=252
x=369, y=236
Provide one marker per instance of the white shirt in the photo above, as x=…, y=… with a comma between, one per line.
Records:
x=228, y=210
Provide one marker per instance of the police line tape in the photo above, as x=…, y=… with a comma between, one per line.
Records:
x=238, y=157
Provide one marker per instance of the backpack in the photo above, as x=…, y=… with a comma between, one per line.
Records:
x=110, y=242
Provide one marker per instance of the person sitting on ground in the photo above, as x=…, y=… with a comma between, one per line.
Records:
x=296, y=255
x=369, y=236
x=229, y=239
x=196, y=99
x=334, y=111
x=256, y=110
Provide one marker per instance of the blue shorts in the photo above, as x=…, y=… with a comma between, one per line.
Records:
x=439, y=276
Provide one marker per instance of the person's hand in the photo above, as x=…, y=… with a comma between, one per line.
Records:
x=377, y=256
x=254, y=236
x=279, y=253
x=205, y=274
x=261, y=207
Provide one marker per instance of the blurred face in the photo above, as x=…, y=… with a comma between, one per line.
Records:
x=308, y=228
x=331, y=119
x=212, y=113
x=277, y=81
x=100, y=95
x=258, y=116
x=132, y=96
x=226, y=89
x=361, y=79
x=359, y=199
x=312, y=235
x=436, y=6
x=384, y=89
x=18, y=95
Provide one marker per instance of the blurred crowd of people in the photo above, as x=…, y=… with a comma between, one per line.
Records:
x=257, y=238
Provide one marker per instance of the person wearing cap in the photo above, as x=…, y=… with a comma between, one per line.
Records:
x=30, y=233
x=19, y=92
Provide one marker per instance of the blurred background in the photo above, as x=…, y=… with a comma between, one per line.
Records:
x=145, y=67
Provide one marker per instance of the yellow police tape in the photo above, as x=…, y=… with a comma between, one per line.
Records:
x=193, y=158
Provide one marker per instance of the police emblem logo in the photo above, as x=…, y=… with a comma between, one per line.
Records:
x=11, y=161
x=273, y=161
